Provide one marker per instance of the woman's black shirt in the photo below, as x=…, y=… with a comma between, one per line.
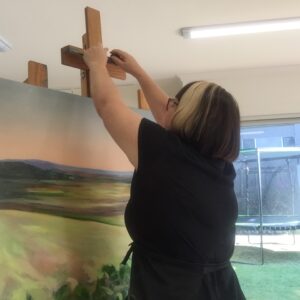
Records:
x=181, y=216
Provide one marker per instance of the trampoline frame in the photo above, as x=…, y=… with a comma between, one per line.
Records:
x=275, y=224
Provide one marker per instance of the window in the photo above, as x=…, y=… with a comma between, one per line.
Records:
x=248, y=143
x=288, y=141
x=265, y=165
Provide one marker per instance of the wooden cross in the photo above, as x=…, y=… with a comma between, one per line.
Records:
x=37, y=74
x=73, y=56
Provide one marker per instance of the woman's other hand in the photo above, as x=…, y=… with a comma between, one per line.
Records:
x=126, y=62
x=95, y=57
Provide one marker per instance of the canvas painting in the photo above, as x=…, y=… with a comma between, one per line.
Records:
x=64, y=185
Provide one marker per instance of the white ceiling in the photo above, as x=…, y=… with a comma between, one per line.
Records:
x=37, y=29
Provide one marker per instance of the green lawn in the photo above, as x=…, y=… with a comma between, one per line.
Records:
x=277, y=279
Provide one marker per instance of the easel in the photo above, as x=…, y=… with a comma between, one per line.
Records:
x=37, y=74
x=73, y=56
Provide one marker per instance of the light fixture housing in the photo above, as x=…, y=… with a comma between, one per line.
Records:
x=4, y=45
x=241, y=28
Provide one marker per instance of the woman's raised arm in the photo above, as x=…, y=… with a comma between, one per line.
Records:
x=155, y=96
x=120, y=121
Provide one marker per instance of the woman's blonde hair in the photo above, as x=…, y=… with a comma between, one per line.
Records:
x=208, y=117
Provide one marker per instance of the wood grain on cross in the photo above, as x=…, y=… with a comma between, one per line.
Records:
x=73, y=56
x=37, y=74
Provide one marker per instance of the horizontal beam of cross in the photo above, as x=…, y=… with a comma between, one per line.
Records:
x=73, y=57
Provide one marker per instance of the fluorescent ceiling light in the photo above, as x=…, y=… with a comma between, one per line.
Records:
x=241, y=28
x=4, y=45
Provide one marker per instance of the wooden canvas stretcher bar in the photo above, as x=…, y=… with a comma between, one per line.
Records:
x=37, y=74
x=142, y=102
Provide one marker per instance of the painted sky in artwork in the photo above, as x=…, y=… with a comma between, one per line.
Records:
x=37, y=123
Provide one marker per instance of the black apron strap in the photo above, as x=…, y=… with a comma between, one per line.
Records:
x=204, y=268
x=127, y=256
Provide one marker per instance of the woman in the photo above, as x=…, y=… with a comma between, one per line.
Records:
x=182, y=211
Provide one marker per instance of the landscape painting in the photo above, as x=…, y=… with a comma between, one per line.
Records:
x=64, y=185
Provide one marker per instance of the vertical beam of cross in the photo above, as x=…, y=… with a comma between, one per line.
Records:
x=93, y=27
x=85, y=74
x=73, y=56
x=92, y=37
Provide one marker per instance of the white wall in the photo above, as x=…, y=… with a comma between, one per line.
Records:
x=129, y=92
x=260, y=92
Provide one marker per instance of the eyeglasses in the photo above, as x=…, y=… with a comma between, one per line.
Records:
x=172, y=102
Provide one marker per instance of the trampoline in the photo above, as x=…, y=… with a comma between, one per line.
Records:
x=267, y=225
x=260, y=223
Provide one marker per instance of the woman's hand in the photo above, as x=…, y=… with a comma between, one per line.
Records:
x=95, y=57
x=126, y=62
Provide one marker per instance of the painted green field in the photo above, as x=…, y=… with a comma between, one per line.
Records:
x=39, y=253
x=65, y=197
x=59, y=227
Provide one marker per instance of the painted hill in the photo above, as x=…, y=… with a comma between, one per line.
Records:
x=44, y=170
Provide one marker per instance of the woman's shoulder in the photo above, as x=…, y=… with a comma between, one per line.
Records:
x=156, y=134
x=157, y=140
